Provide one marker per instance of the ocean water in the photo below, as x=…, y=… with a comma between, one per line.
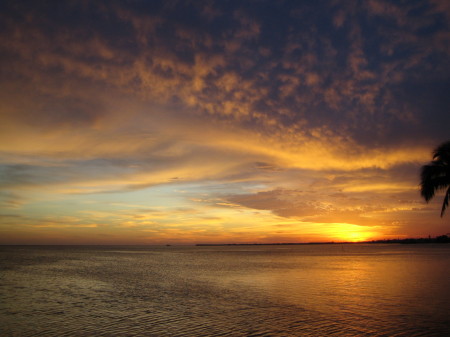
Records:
x=305, y=290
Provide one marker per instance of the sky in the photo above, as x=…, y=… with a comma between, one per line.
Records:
x=184, y=122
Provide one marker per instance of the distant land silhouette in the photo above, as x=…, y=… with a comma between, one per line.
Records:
x=438, y=239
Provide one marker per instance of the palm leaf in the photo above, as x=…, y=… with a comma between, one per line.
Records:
x=445, y=203
x=436, y=175
x=442, y=152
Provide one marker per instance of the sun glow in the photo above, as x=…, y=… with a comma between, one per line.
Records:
x=350, y=232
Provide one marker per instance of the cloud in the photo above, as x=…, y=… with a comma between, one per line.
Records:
x=361, y=197
x=181, y=60
x=308, y=113
x=10, y=200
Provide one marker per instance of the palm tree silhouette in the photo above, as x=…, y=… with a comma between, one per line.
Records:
x=436, y=175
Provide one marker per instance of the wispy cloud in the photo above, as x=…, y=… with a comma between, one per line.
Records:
x=308, y=114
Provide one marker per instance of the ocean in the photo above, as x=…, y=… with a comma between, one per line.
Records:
x=301, y=290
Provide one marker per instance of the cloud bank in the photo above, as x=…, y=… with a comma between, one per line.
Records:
x=298, y=115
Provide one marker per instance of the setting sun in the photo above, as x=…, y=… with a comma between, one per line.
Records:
x=351, y=233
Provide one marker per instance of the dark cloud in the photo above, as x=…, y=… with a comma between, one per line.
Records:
x=262, y=63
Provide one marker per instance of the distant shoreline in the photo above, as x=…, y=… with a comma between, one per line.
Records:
x=439, y=239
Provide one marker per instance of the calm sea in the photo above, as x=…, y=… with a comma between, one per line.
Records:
x=308, y=290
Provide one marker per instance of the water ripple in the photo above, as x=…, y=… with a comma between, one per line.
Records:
x=223, y=292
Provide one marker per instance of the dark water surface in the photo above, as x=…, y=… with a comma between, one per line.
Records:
x=310, y=290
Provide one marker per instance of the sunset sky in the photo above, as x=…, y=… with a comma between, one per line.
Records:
x=183, y=122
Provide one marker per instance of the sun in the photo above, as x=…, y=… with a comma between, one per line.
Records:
x=350, y=232
x=356, y=237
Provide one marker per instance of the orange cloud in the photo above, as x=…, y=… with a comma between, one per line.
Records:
x=296, y=125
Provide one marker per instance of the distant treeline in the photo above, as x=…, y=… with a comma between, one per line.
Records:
x=438, y=239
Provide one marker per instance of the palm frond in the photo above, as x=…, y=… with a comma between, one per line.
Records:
x=442, y=153
x=434, y=177
x=445, y=203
